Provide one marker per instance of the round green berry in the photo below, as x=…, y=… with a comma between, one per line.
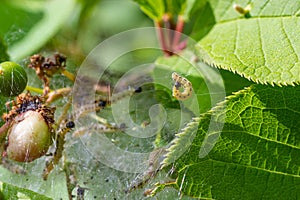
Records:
x=13, y=79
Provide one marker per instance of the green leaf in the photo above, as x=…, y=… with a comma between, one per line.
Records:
x=32, y=181
x=156, y=9
x=27, y=26
x=254, y=156
x=264, y=48
x=3, y=51
x=233, y=82
x=3, y=100
x=176, y=7
x=153, y=8
x=16, y=21
x=192, y=8
x=201, y=20
x=8, y=191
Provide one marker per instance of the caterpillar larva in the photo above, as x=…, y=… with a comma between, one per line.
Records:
x=181, y=82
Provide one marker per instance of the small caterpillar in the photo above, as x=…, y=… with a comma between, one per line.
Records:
x=181, y=82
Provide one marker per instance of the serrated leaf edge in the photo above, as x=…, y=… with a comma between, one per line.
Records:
x=220, y=66
x=196, y=121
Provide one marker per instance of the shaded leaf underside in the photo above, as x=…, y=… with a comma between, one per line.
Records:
x=256, y=155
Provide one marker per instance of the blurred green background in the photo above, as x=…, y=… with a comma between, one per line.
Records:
x=74, y=28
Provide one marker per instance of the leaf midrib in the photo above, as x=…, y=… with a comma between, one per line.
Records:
x=258, y=136
x=257, y=17
x=238, y=164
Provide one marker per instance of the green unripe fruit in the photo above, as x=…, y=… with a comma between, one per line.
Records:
x=13, y=79
x=28, y=138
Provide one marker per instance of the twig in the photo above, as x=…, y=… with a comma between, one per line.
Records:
x=69, y=75
x=178, y=32
x=161, y=38
x=34, y=89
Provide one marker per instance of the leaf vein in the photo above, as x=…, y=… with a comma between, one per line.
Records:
x=261, y=42
x=263, y=7
x=258, y=17
x=252, y=167
x=237, y=36
x=288, y=39
x=264, y=138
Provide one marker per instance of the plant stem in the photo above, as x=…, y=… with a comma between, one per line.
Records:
x=68, y=74
x=168, y=31
x=69, y=181
x=169, y=40
x=56, y=94
x=161, y=38
x=178, y=32
x=34, y=89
